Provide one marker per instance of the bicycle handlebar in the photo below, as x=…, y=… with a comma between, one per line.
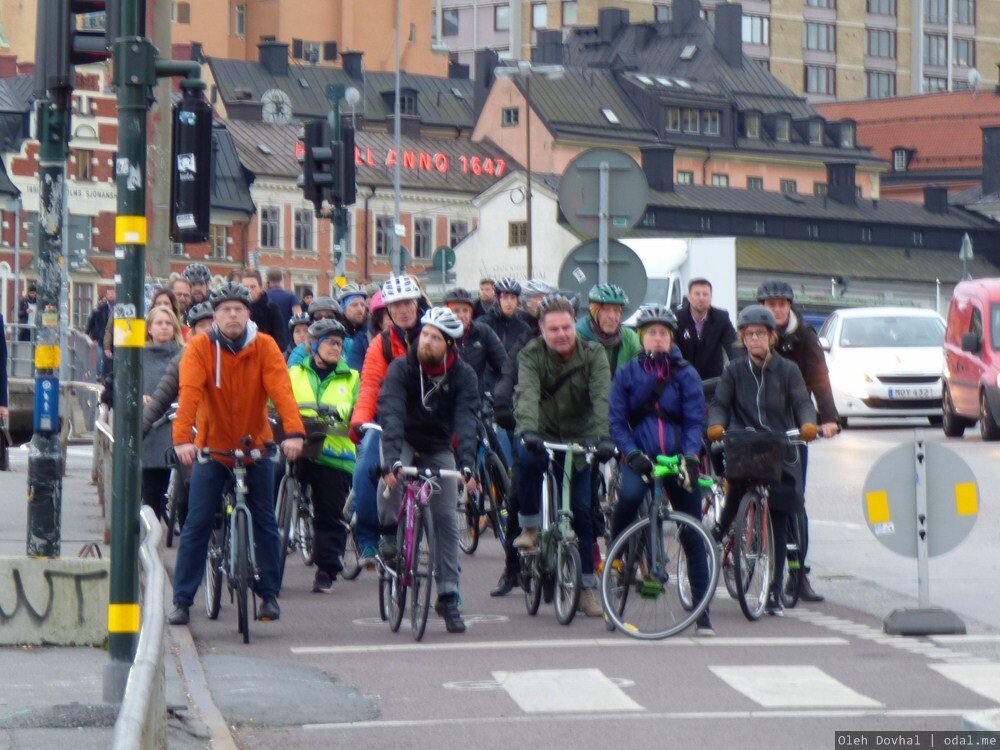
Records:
x=426, y=473
x=254, y=454
x=565, y=447
x=364, y=427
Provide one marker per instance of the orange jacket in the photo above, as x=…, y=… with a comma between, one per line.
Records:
x=225, y=395
x=372, y=374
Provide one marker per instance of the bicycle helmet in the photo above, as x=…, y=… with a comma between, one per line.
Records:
x=298, y=320
x=445, y=321
x=650, y=314
x=323, y=304
x=399, y=289
x=375, y=302
x=608, y=294
x=230, y=292
x=197, y=273
x=756, y=315
x=775, y=290
x=198, y=312
x=537, y=286
x=350, y=290
x=458, y=295
x=507, y=285
x=555, y=299
x=321, y=329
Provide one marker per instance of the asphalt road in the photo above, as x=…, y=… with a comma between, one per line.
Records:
x=331, y=674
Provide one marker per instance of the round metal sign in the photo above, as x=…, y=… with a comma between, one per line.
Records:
x=579, y=271
x=444, y=258
x=579, y=192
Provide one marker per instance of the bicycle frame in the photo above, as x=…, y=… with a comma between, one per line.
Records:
x=416, y=496
x=550, y=535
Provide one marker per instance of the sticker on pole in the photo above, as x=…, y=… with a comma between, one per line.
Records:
x=46, y=404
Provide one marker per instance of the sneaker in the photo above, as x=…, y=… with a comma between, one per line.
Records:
x=773, y=606
x=527, y=539
x=269, y=611
x=807, y=593
x=181, y=615
x=590, y=605
x=703, y=627
x=507, y=582
x=387, y=549
x=447, y=608
x=322, y=583
x=368, y=554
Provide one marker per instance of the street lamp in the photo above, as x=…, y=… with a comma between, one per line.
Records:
x=525, y=71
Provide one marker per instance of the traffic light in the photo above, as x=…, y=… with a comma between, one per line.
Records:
x=71, y=33
x=191, y=168
x=317, y=163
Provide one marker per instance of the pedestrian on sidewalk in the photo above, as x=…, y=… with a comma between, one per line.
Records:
x=163, y=342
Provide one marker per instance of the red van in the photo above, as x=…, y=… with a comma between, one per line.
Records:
x=971, y=391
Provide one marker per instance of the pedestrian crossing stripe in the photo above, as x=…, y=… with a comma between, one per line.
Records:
x=803, y=686
x=982, y=679
x=564, y=691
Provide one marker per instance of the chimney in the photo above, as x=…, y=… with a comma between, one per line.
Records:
x=274, y=57
x=609, y=21
x=456, y=69
x=729, y=33
x=8, y=66
x=840, y=182
x=991, y=160
x=197, y=51
x=483, y=65
x=682, y=14
x=936, y=199
x=548, y=49
x=658, y=166
x=352, y=64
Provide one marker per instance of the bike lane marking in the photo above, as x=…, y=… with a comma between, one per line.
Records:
x=564, y=691
x=983, y=679
x=801, y=686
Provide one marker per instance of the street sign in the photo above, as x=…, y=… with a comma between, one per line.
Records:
x=579, y=192
x=46, y=404
x=579, y=270
x=444, y=258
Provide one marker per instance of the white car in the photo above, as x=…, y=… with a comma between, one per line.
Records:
x=885, y=361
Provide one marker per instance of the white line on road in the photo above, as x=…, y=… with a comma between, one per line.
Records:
x=546, y=691
x=837, y=524
x=792, y=687
x=983, y=679
x=393, y=648
x=958, y=640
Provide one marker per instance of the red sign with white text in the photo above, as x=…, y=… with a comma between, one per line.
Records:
x=438, y=162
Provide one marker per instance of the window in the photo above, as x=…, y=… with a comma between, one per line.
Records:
x=509, y=117
x=674, y=119
x=782, y=129
x=423, y=237
x=936, y=11
x=217, y=240
x=312, y=51
x=83, y=164
x=691, y=121
x=965, y=12
x=789, y=186
x=880, y=85
x=708, y=16
x=820, y=189
x=302, y=220
x=816, y=133
x=661, y=13
x=882, y=7
x=899, y=160
x=755, y=183
x=706, y=223
x=270, y=227
x=501, y=18
x=935, y=50
x=881, y=43
x=239, y=20
x=821, y=80
x=934, y=84
x=413, y=33
x=752, y=125
x=709, y=122
x=812, y=231
x=407, y=103
x=539, y=15
x=330, y=51
x=820, y=36
x=918, y=239
x=866, y=234
x=449, y=22
x=180, y=12
x=759, y=226
x=458, y=230
x=847, y=135
x=384, y=229
x=756, y=30
x=720, y=180
x=832, y=4
x=517, y=233
x=964, y=52
x=569, y=15
x=83, y=303
x=685, y=178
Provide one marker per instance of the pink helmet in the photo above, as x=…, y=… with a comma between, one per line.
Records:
x=375, y=303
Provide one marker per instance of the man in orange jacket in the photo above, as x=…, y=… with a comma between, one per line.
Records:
x=226, y=378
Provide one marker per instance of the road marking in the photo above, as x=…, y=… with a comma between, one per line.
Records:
x=468, y=619
x=837, y=524
x=475, y=686
x=548, y=691
x=902, y=713
x=791, y=687
x=983, y=679
x=960, y=639
x=571, y=643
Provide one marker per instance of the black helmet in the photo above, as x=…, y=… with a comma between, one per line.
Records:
x=319, y=304
x=458, y=295
x=327, y=327
x=650, y=314
x=198, y=312
x=756, y=315
x=197, y=273
x=775, y=290
x=507, y=285
x=298, y=320
x=231, y=292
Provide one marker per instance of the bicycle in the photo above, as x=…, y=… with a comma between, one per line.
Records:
x=553, y=568
x=175, y=497
x=231, y=551
x=489, y=501
x=649, y=559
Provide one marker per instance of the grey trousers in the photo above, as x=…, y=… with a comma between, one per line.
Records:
x=443, y=506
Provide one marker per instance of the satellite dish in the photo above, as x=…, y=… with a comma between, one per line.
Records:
x=974, y=80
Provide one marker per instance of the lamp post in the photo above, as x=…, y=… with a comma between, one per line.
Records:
x=525, y=71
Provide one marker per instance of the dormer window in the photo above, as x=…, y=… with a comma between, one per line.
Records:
x=900, y=159
x=674, y=119
x=751, y=125
x=815, y=133
x=407, y=101
x=782, y=128
x=847, y=135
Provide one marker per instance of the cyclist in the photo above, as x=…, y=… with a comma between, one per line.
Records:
x=503, y=317
x=353, y=301
x=226, y=378
x=657, y=407
x=325, y=378
x=263, y=312
x=298, y=333
x=478, y=345
x=321, y=308
x=561, y=397
x=380, y=320
x=401, y=296
x=487, y=297
x=604, y=325
x=798, y=342
x=429, y=396
x=534, y=291
x=198, y=276
x=181, y=288
x=764, y=392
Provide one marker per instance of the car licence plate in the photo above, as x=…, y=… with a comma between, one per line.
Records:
x=913, y=393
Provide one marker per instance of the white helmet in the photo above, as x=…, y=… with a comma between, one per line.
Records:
x=445, y=321
x=400, y=288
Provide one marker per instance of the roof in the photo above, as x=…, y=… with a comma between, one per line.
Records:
x=441, y=102
x=944, y=130
x=7, y=188
x=269, y=150
x=230, y=182
x=16, y=93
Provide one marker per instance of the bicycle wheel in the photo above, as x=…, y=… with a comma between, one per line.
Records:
x=241, y=573
x=531, y=582
x=397, y=584
x=496, y=486
x=213, y=573
x=305, y=533
x=422, y=577
x=468, y=522
x=752, y=555
x=569, y=581
x=729, y=569
x=352, y=556
x=792, y=585
x=172, y=506
x=284, y=512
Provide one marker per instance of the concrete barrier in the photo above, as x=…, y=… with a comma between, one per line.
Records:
x=53, y=602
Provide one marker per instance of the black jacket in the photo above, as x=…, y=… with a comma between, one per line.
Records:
x=709, y=353
x=482, y=350
x=508, y=330
x=799, y=343
x=451, y=409
x=503, y=389
x=97, y=324
x=267, y=316
x=774, y=398
x=479, y=309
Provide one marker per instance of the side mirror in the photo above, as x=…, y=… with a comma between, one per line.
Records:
x=824, y=343
x=971, y=343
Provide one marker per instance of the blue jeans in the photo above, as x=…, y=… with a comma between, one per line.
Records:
x=365, y=505
x=530, y=472
x=205, y=499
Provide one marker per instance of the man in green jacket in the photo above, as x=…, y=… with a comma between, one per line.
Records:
x=561, y=397
x=604, y=325
x=324, y=380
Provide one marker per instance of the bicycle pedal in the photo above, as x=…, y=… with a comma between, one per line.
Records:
x=650, y=589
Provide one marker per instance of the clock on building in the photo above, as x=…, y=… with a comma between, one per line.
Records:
x=276, y=107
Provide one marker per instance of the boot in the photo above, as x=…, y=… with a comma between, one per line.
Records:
x=507, y=582
x=527, y=539
x=447, y=607
x=590, y=603
x=181, y=615
x=269, y=611
x=806, y=592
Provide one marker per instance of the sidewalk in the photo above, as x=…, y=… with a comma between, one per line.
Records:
x=51, y=697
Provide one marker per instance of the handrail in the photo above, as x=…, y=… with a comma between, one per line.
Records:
x=105, y=430
x=142, y=715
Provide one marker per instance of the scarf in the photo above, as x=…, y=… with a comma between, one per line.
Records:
x=605, y=340
x=437, y=370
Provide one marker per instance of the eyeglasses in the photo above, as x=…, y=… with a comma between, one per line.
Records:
x=334, y=342
x=751, y=335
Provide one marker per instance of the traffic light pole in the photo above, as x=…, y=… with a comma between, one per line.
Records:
x=335, y=93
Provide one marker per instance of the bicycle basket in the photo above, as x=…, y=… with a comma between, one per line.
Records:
x=754, y=456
